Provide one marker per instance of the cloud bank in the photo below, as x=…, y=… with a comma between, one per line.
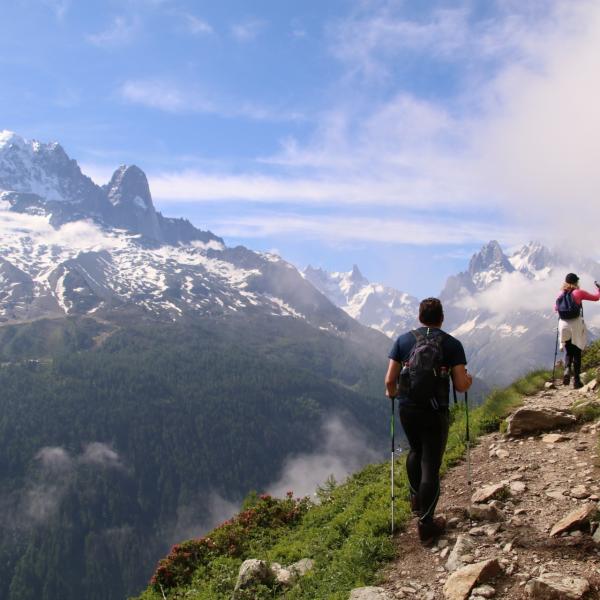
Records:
x=345, y=450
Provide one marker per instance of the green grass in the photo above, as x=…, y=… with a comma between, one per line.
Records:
x=347, y=534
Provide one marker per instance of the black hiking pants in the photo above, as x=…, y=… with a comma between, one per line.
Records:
x=573, y=358
x=427, y=433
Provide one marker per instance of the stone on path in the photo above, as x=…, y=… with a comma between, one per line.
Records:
x=485, y=591
x=553, y=438
x=461, y=582
x=488, y=492
x=517, y=487
x=486, y=512
x=370, y=593
x=580, y=492
x=549, y=385
x=463, y=547
x=589, y=387
x=596, y=536
x=576, y=519
x=556, y=586
x=526, y=420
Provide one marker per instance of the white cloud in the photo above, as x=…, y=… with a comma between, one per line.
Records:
x=164, y=95
x=54, y=457
x=59, y=7
x=366, y=42
x=79, y=234
x=196, y=25
x=120, y=32
x=97, y=453
x=343, y=229
x=170, y=96
x=344, y=451
x=248, y=31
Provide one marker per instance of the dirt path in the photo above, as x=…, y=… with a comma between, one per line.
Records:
x=544, y=481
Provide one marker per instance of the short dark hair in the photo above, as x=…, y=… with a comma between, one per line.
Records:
x=431, y=312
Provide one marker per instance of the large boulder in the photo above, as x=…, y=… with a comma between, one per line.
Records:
x=529, y=420
x=459, y=585
x=556, y=586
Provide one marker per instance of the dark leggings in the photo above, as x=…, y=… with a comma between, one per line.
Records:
x=427, y=434
x=573, y=357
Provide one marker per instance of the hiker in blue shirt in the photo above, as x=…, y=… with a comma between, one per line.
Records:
x=423, y=392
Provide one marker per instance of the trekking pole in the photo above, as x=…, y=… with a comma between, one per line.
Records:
x=393, y=450
x=555, y=354
x=468, y=439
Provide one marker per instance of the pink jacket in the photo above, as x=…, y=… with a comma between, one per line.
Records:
x=580, y=295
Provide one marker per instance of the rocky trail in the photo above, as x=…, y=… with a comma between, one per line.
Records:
x=526, y=527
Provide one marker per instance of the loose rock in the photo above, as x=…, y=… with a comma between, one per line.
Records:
x=485, y=591
x=370, y=593
x=526, y=420
x=553, y=438
x=461, y=582
x=463, y=546
x=486, y=512
x=580, y=492
x=576, y=519
x=488, y=492
x=556, y=586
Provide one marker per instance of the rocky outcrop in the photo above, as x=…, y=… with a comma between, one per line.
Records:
x=254, y=571
x=531, y=420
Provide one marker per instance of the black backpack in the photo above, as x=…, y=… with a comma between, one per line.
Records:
x=429, y=382
x=567, y=307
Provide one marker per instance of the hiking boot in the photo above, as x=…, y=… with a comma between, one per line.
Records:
x=567, y=376
x=414, y=505
x=577, y=383
x=430, y=531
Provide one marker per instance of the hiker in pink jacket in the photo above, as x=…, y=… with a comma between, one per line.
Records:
x=571, y=326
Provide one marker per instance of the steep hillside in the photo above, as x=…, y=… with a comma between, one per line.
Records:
x=347, y=534
x=112, y=453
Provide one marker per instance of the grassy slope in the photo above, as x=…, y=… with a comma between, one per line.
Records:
x=347, y=534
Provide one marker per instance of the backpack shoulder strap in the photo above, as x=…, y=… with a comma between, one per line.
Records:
x=418, y=335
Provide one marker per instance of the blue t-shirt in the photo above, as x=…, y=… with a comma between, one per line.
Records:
x=452, y=350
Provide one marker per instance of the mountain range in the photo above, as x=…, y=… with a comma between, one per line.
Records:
x=500, y=307
x=151, y=377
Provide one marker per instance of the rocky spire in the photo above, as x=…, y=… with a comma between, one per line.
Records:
x=129, y=194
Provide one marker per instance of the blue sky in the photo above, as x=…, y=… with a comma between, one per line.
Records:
x=397, y=135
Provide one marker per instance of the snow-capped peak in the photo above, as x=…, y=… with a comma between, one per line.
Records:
x=375, y=305
x=533, y=260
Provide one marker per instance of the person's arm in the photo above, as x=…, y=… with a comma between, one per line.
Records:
x=391, y=378
x=580, y=295
x=461, y=380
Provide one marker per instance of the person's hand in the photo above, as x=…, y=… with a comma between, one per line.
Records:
x=391, y=390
